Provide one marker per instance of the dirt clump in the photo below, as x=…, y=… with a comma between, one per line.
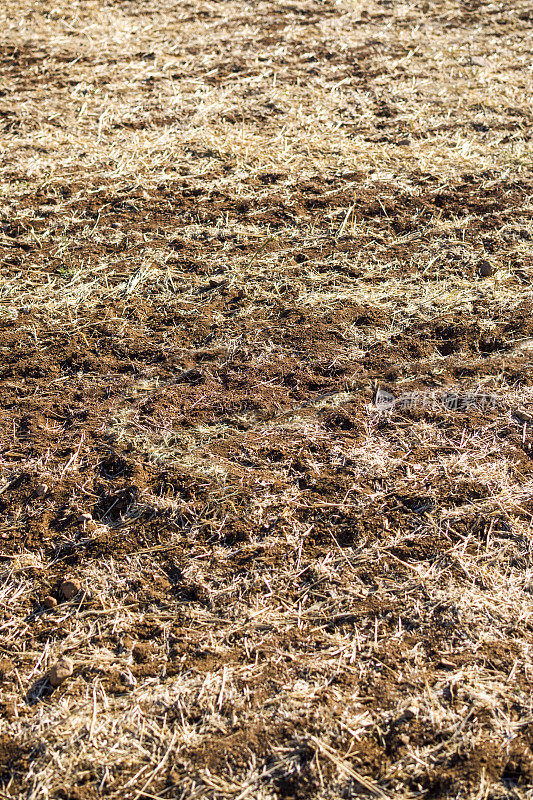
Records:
x=60, y=671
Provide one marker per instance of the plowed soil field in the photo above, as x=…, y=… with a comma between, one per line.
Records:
x=266, y=399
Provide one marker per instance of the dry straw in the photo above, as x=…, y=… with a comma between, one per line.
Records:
x=223, y=226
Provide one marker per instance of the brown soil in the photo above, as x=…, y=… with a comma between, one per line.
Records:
x=223, y=227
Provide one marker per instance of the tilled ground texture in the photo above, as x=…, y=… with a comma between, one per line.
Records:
x=266, y=399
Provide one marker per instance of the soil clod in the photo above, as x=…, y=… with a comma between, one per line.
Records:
x=60, y=671
x=485, y=269
x=70, y=588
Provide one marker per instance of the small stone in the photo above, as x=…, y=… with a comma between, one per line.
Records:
x=70, y=588
x=62, y=670
x=41, y=490
x=84, y=517
x=485, y=269
x=49, y=602
x=404, y=739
